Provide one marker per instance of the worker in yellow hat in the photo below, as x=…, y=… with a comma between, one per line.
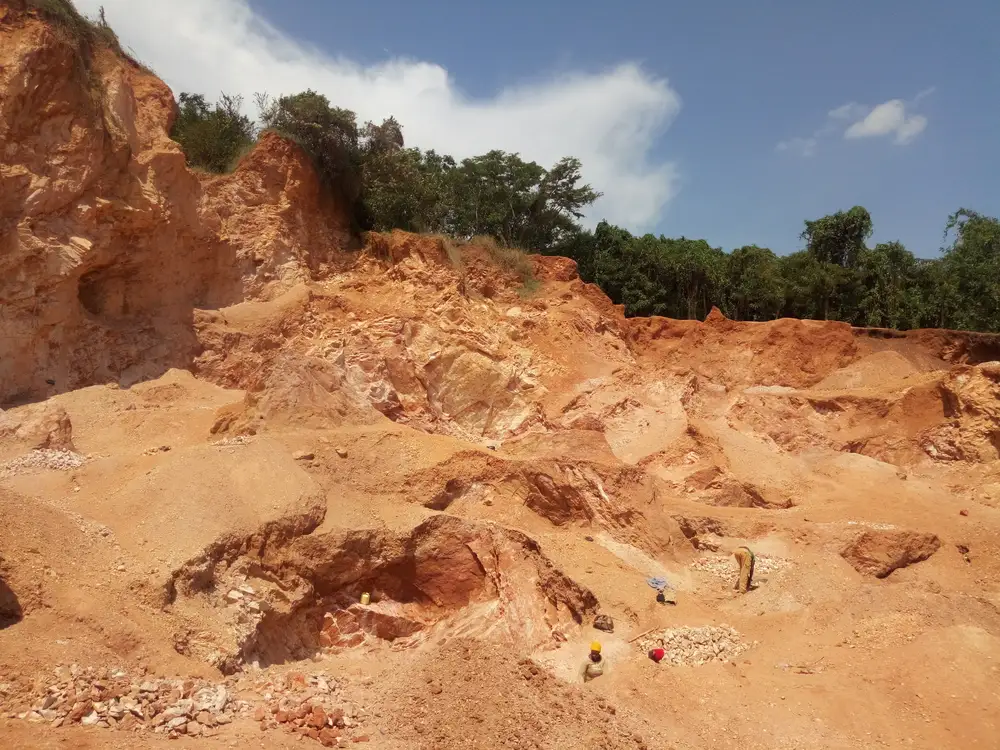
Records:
x=595, y=664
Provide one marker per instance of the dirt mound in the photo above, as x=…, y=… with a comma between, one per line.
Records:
x=874, y=370
x=878, y=553
x=470, y=694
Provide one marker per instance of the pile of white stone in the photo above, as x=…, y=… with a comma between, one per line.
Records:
x=312, y=707
x=40, y=460
x=695, y=645
x=113, y=700
x=232, y=441
x=726, y=567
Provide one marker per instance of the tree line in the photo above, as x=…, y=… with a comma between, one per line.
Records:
x=836, y=276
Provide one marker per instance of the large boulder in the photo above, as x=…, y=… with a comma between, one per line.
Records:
x=40, y=426
x=877, y=553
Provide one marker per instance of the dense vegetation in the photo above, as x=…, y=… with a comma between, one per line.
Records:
x=836, y=276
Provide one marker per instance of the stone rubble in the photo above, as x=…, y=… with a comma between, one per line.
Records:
x=726, y=568
x=232, y=441
x=42, y=459
x=310, y=706
x=695, y=646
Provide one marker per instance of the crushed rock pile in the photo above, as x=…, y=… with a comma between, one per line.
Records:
x=114, y=700
x=232, y=441
x=40, y=460
x=474, y=694
x=695, y=646
x=726, y=568
x=309, y=706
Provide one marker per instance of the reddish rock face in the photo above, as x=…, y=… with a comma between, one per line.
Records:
x=879, y=553
x=108, y=242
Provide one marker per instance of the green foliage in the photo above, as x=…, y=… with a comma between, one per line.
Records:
x=62, y=12
x=497, y=194
x=890, y=297
x=835, y=278
x=972, y=270
x=407, y=189
x=840, y=237
x=520, y=203
x=502, y=203
x=213, y=138
x=754, y=284
x=328, y=134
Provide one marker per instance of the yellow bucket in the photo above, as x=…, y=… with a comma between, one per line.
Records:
x=366, y=598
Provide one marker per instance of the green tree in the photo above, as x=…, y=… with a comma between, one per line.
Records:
x=212, y=137
x=328, y=134
x=755, y=288
x=814, y=288
x=519, y=203
x=889, y=294
x=972, y=263
x=405, y=188
x=840, y=237
x=939, y=295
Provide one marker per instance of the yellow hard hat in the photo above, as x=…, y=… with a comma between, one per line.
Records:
x=595, y=646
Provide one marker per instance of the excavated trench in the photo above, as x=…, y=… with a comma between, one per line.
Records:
x=290, y=600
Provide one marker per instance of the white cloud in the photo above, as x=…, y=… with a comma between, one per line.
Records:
x=910, y=128
x=888, y=118
x=609, y=120
x=800, y=146
x=850, y=111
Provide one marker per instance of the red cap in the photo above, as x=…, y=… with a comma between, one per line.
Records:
x=656, y=654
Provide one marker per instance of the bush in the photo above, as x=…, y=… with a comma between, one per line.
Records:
x=328, y=134
x=213, y=139
x=64, y=14
x=510, y=260
x=86, y=33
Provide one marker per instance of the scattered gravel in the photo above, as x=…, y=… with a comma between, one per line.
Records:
x=237, y=440
x=726, y=568
x=40, y=460
x=695, y=646
x=872, y=525
x=309, y=706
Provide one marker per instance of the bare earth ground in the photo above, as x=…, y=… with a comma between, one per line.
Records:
x=192, y=508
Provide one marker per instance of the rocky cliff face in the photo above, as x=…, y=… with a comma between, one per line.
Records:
x=108, y=242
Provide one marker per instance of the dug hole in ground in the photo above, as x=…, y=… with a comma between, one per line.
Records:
x=225, y=418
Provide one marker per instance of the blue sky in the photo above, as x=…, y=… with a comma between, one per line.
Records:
x=715, y=87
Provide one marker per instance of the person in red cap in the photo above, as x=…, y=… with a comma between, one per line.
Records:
x=656, y=654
